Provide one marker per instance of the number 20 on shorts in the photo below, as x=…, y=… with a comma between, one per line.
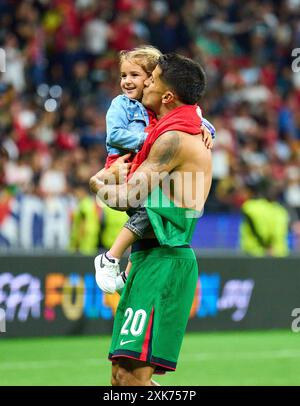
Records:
x=134, y=322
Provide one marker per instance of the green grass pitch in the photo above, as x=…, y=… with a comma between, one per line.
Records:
x=219, y=358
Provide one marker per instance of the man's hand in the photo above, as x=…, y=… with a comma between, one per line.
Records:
x=162, y=159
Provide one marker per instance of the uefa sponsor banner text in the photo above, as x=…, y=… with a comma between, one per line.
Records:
x=42, y=296
x=29, y=222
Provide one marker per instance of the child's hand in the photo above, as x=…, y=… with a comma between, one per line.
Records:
x=115, y=174
x=120, y=168
x=208, y=133
x=206, y=137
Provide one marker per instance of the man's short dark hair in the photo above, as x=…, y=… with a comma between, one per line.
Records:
x=185, y=77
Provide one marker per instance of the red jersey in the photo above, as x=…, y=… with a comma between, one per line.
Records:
x=187, y=118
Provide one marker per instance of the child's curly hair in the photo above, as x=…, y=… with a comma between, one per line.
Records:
x=145, y=56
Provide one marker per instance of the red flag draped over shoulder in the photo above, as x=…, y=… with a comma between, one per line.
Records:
x=185, y=118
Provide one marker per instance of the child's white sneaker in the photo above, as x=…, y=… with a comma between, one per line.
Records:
x=107, y=271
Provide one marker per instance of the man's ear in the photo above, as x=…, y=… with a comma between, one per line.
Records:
x=168, y=97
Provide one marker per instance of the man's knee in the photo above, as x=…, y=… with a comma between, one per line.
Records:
x=114, y=371
x=123, y=377
x=131, y=373
x=114, y=381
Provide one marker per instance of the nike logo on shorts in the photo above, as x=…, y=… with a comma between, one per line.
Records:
x=126, y=342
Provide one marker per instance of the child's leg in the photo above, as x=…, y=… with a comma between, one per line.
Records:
x=121, y=279
x=108, y=275
x=128, y=267
x=124, y=240
x=133, y=230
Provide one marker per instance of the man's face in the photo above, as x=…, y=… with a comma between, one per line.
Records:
x=154, y=90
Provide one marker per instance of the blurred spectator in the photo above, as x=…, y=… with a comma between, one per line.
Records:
x=112, y=222
x=123, y=34
x=96, y=35
x=292, y=189
x=3, y=160
x=53, y=181
x=264, y=229
x=85, y=230
x=15, y=64
x=19, y=173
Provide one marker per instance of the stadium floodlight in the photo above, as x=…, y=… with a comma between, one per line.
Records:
x=43, y=90
x=55, y=91
x=50, y=105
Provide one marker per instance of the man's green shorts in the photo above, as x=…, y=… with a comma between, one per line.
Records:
x=154, y=307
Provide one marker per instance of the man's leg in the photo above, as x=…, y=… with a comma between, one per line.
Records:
x=128, y=372
x=114, y=370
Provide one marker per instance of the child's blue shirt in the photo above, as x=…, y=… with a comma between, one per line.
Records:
x=126, y=120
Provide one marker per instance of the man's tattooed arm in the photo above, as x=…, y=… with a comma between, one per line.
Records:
x=165, y=149
x=162, y=160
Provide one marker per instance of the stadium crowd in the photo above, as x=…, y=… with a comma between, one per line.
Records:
x=62, y=73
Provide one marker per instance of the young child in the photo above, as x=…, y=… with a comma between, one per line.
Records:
x=127, y=123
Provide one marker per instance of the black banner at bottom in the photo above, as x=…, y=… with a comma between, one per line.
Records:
x=132, y=395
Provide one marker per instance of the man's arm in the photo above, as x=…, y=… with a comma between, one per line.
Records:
x=163, y=158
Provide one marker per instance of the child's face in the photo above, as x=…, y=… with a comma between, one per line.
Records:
x=133, y=77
